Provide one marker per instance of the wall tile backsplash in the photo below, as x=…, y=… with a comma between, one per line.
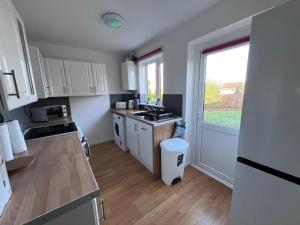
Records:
x=173, y=103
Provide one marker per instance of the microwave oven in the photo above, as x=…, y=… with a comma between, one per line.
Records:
x=47, y=113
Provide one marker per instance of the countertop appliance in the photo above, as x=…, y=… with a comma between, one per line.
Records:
x=130, y=104
x=121, y=105
x=155, y=115
x=267, y=177
x=46, y=131
x=120, y=131
x=46, y=113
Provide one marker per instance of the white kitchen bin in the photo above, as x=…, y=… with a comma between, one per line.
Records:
x=173, y=155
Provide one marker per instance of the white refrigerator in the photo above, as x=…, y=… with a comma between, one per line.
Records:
x=267, y=179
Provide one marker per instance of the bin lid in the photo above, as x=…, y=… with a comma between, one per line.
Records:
x=174, y=144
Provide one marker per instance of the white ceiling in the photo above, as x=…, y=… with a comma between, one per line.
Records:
x=78, y=23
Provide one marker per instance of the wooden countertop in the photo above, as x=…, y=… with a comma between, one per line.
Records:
x=59, y=180
x=125, y=112
x=129, y=112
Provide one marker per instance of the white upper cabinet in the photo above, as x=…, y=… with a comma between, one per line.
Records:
x=56, y=77
x=73, y=78
x=17, y=85
x=129, y=81
x=38, y=70
x=79, y=78
x=99, y=78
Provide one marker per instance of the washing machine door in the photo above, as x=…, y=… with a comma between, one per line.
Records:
x=117, y=129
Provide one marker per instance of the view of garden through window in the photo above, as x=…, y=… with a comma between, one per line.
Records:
x=155, y=81
x=225, y=76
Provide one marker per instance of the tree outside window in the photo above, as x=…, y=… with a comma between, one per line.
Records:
x=154, y=71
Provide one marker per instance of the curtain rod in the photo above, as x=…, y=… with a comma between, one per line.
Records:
x=149, y=54
x=227, y=45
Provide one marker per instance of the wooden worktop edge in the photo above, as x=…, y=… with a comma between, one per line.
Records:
x=43, y=218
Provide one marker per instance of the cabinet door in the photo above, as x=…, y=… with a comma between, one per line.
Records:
x=132, y=136
x=128, y=76
x=56, y=77
x=38, y=69
x=146, y=144
x=99, y=77
x=17, y=88
x=43, y=73
x=79, y=78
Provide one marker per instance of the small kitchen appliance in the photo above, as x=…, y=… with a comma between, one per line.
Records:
x=130, y=104
x=46, y=113
x=120, y=131
x=121, y=105
x=50, y=130
x=136, y=104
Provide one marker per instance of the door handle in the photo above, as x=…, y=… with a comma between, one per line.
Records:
x=12, y=73
x=101, y=204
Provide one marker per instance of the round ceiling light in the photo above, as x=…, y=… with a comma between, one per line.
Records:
x=113, y=20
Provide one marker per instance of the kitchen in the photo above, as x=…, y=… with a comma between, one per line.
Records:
x=67, y=79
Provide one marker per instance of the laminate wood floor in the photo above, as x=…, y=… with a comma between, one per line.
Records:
x=132, y=196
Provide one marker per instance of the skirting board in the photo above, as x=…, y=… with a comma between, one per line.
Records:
x=226, y=183
x=100, y=143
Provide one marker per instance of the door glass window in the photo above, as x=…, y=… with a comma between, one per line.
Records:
x=25, y=54
x=151, y=75
x=225, y=75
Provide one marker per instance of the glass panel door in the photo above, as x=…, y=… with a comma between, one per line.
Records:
x=225, y=75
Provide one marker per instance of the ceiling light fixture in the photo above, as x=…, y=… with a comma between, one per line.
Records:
x=113, y=20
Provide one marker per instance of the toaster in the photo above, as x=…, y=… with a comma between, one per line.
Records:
x=5, y=189
x=121, y=105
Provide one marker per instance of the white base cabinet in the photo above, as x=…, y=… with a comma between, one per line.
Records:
x=146, y=144
x=132, y=137
x=140, y=141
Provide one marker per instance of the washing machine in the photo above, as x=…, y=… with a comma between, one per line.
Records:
x=119, y=127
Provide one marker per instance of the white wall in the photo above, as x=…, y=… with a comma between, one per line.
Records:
x=175, y=43
x=91, y=113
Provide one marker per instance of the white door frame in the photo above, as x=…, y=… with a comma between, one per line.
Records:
x=239, y=29
x=211, y=127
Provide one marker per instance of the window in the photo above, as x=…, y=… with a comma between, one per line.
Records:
x=225, y=74
x=154, y=73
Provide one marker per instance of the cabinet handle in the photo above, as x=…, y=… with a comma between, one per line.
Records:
x=135, y=127
x=101, y=204
x=143, y=128
x=12, y=73
x=92, y=89
x=65, y=90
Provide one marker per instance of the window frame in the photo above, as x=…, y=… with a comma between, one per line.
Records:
x=220, y=48
x=158, y=61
